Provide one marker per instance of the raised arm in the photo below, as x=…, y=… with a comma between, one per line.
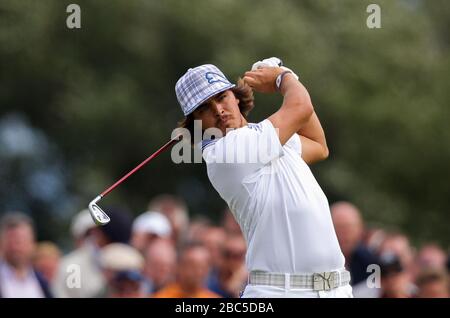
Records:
x=296, y=109
x=314, y=144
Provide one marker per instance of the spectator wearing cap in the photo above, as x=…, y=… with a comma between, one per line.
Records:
x=160, y=265
x=18, y=278
x=122, y=267
x=175, y=209
x=46, y=260
x=84, y=260
x=81, y=227
x=148, y=227
x=433, y=283
x=192, y=271
x=349, y=228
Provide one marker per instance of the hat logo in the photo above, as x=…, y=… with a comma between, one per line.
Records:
x=214, y=78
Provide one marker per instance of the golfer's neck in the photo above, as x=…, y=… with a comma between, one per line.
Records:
x=243, y=122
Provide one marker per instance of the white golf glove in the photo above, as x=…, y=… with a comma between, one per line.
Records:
x=272, y=62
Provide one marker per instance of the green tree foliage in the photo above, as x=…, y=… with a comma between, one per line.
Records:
x=104, y=94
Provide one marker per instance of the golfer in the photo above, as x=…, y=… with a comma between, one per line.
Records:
x=261, y=171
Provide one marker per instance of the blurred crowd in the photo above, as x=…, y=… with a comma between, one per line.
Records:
x=164, y=253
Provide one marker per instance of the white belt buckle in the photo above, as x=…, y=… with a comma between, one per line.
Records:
x=324, y=281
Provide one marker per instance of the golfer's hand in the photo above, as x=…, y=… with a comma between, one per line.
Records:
x=263, y=79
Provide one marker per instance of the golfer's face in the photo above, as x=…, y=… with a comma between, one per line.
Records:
x=221, y=111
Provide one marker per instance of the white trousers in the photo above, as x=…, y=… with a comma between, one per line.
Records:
x=263, y=291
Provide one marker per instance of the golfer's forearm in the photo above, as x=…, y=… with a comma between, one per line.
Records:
x=296, y=101
x=313, y=130
x=295, y=110
x=314, y=144
x=312, y=151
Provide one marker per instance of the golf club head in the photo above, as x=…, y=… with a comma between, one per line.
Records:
x=97, y=214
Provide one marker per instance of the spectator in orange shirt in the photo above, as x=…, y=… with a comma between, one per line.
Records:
x=160, y=265
x=192, y=271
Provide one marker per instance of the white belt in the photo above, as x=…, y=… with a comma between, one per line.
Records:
x=316, y=281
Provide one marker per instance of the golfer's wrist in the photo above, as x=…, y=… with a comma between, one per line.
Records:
x=286, y=81
x=280, y=77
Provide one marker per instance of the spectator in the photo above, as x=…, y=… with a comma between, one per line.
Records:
x=433, y=283
x=395, y=281
x=230, y=278
x=175, y=209
x=214, y=237
x=431, y=256
x=396, y=262
x=229, y=223
x=373, y=238
x=122, y=266
x=160, y=265
x=81, y=227
x=46, y=260
x=399, y=245
x=448, y=263
x=197, y=229
x=192, y=271
x=18, y=278
x=148, y=227
x=349, y=230
x=85, y=259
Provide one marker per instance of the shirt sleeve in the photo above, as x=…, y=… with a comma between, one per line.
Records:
x=295, y=143
x=266, y=140
x=240, y=153
x=255, y=144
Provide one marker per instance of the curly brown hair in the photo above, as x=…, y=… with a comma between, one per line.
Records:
x=242, y=91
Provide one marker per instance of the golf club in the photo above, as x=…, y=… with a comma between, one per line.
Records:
x=98, y=215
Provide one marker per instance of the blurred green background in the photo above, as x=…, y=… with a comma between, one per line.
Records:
x=80, y=107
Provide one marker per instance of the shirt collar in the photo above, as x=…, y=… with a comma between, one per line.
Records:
x=9, y=272
x=207, y=142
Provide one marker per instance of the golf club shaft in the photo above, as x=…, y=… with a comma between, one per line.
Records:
x=143, y=163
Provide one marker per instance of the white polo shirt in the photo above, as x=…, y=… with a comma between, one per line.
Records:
x=281, y=209
x=12, y=286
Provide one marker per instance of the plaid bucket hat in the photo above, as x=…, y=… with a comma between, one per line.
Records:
x=199, y=84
